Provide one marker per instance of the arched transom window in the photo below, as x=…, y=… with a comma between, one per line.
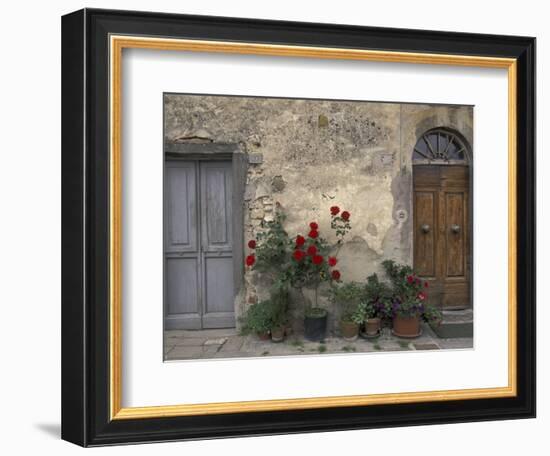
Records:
x=440, y=146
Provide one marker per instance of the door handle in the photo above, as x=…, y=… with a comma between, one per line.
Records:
x=425, y=228
x=455, y=229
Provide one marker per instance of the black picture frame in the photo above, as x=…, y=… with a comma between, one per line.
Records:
x=85, y=228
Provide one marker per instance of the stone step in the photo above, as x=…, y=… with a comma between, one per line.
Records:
x=455, y=323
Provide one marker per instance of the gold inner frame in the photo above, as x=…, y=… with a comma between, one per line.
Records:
x=117, y=44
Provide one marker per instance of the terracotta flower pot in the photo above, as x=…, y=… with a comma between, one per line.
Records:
x=263, y=335
x=349, y=330
x=288, y=331
x=407, y=327
x=372, y=326
x=278, y=334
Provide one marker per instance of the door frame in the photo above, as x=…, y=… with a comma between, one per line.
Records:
x=470, y=164
x=239, y=166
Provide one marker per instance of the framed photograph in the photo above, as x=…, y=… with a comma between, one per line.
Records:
x=277, y=227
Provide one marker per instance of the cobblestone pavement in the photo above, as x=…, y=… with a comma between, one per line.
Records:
x=227, y=343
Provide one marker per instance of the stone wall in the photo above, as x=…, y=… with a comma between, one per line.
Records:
x=313, y=154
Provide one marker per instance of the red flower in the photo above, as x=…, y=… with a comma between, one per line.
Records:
x=314, y=226
x=250, y=260
x=334, y=210
x=313, y=234
x=298, y=255
x=410, y=279
x=335, y=274
x=418, y=281
x=311, y=250
x=332, y=261
x=426, y=284
x=421, y=296
x=346, y=215
x=317, y=259
x=300, y=240
x=252, y=244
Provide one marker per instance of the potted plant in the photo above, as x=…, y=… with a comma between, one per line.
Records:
x=372, y=322
x=409, y=305
x=349, y=326
x=308, y=270
x=303, y=263
x=278, y=330
x=313, y=263
x=258, y=319
x=346, y=297
x=376, y=305
x=279, y=308
x=365, y=315
x=270, y=256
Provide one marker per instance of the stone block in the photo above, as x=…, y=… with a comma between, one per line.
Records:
x=184, y=352
x=278, y=184
x=425, y=346
x=233, y=344
x=255, y=159
x=250, y=192
x=262, y=190
x=257, y=214
x=322, y=121
x=456, y=343
x=219, y=341
x=210, y=350
x=188, y=341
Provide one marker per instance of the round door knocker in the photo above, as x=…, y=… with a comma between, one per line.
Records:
x=455, y=229
x=425, y=228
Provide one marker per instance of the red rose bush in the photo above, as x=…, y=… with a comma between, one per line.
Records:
x=302, y=261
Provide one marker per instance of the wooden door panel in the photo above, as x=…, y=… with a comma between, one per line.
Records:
x=456, y=294
x=182, y=256
x=181, y=208
x=182, y=299
x=219, y=295
x=217, y=244
x=427, y=176
x=216, y=196
x=454, y=219
x=424, y=238
x=219, y=299
x=454, y=176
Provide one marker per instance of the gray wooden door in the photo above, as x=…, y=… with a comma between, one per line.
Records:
x=199, y=285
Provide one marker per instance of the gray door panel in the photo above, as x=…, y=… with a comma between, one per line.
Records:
x=181, y=207
x=182, y=254
x=216, y=243
x=182, y=300
x=182, y=294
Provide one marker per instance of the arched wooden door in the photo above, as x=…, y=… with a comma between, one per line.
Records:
x=441, y=208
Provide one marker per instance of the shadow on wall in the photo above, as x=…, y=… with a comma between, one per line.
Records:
x=51, y=429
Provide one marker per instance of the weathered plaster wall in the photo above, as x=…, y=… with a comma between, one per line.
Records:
x=316, y=154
